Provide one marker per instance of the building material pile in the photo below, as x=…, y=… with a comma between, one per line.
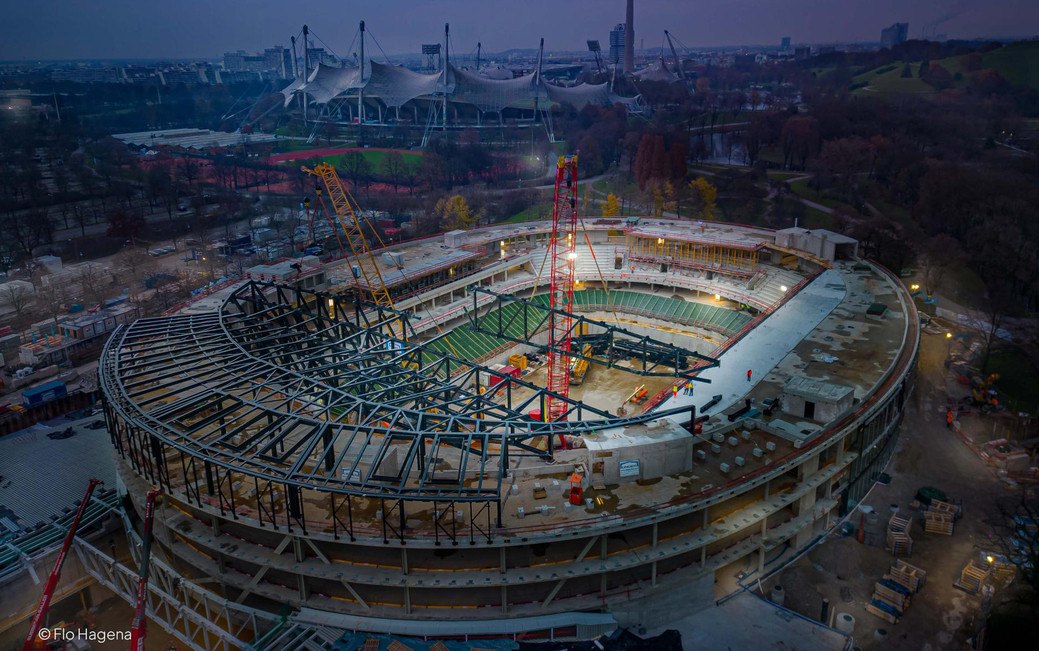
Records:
x=973, y=578
x=891, y=594
x=898, y=539
x=939, y=518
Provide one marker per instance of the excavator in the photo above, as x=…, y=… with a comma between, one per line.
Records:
x=984, y=395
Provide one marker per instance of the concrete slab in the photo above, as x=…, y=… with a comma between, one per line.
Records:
x=764, y=346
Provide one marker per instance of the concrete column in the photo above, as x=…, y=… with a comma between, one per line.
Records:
x=808, y=468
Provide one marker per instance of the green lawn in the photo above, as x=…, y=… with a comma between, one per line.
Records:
x=782, y=176
x=374, y=159
x=815, y=218
x=889, y=80
x=531, y=213
x=801, y=189
x=1018, y=62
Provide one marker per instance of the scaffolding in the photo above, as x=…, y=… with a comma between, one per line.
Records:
x=732, y=258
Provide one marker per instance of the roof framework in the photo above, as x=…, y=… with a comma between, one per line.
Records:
x=297, y=390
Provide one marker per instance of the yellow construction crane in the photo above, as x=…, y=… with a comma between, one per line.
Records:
x=373, y=287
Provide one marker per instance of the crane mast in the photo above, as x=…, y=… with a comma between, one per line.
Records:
x=678, y=63
x=562, y=252
x=140, y=620
x=52, y=580
x=374, y=288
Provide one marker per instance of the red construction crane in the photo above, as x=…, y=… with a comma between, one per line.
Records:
x=562, y=251
x=140, y=620
x=52, y=580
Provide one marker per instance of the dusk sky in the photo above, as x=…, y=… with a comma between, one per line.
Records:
x=62, y=29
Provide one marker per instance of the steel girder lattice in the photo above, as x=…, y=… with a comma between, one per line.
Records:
x=290, y=392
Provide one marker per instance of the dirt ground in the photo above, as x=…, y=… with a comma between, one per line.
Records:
x=939, y=616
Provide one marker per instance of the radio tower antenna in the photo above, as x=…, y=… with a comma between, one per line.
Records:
x=563, y=254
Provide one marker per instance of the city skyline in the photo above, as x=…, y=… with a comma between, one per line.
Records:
x=118, y=29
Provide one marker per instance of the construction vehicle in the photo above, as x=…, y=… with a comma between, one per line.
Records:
x=639, y=395
x=31, y=641
x=984, y=395
x=140, y=620
x=580, y=366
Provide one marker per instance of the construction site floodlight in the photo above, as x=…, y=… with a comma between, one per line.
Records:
x=593, y=46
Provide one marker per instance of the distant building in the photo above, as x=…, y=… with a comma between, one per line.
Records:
x=275, y=61
x=617, y=43
x=892, y=36
x=278, y=60
x=785, y=44
x=234, y=61
x=802, y=53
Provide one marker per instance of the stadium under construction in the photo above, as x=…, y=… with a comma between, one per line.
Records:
x=410, y=466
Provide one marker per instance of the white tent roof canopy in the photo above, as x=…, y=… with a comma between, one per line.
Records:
x=397, y=85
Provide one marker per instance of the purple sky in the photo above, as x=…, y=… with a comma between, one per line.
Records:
x=60, y=29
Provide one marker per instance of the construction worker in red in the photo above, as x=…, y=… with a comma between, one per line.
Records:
x=948, y=419
x=749, y=373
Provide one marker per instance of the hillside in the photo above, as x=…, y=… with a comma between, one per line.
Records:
x=1018, y=63
x=889, y=79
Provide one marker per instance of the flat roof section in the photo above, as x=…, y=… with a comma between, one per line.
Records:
x=816, y=390
x=764, y=346
x=43, y=476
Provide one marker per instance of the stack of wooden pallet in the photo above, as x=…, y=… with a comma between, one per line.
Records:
x=907, y=575
x=892, y=593
x=938, y=522
x=973, y=578
x=939, y=517
x=898, y=539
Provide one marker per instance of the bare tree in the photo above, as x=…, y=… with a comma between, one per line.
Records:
x=52, y=299
x=93, y=280
x=393, y=167
x=1016, y=528
x=940, y=253
x=135, y=263
x=17, y=295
